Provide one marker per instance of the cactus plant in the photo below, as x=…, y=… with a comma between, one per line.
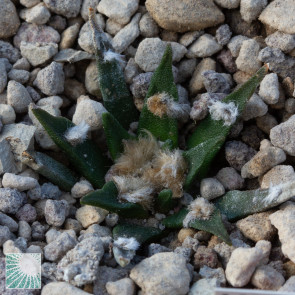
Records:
x=148, y=173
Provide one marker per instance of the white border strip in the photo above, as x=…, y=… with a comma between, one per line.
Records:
x=234, y=291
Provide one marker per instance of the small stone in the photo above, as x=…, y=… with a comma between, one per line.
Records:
x=255, y=107
x=50, y=191
x=280, y=16
x=121, y=287
x=24, y=230
x=38, y=54
x=20, y=183
x=204, y=287
x=32, y=33
x=112, y=27
x=223, y=34
x=205, y=46
x=18, y=97
x=67, y=8
x=81, y=188
x=80, y=265
x=242, y=264
x=163, y=273
x=9, y=52
x=5, y=234
x=266, y=277
x=118, y=12
x=88, y=215
x=186, y=68
x=9, y=21
x=22, y=64
x=91, y=80
x=6, y=220
x=290, y=105
x=73, y=224
x=140, y=85
x=58, y=23
x=27, y=213
x=238, y=154
x=269, y=89
x=57, y=288
x=193, y=16
x=11, y=200
x=29, y=3
x=3, y=75
x=151, y=50
x=189, y=37
x=211, y=273
x=38, y=231
x=284, y=42
x=266, y=122
x=50, y=80
x=85, y=35
x=68, y=36
x=205, y=256
x=289, y=286
x=90, y=111
x=86, y=4
x=211, y=188
x=148, y=27
x=284, y=221
x=277, y=175
x=282, y=136
x=229, y=4
x=247, y=60
x=71, y=55
x=7, y=161
x=230, y=178
x=196, y=83
x=73, y=89
x=59, y=247
x=216, y=83
x=127, y=35
x=20, y=76
x=264, y=160
x=56, y=212
x=38, y=14
x=288, y=86
x=131, y=70
x=7, y=114
x=235, y=44
x=257, y=227
x=251, y=9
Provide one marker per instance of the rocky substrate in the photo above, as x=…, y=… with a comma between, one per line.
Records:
x=46, y=59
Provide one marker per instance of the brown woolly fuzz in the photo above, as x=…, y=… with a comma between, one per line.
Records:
x=134, y=190
x=200, y=208
x=168, y=171
x=137, y=154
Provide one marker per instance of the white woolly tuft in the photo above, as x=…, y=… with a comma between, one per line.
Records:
x=200, y=208
x=77, y=134
x=228, y=112
x=127, y=243
x=111, y=55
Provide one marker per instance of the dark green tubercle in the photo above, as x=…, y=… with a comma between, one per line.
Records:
x=54, y=171
x=164, y=128
x=85, y=157
x=107, y=198
x=140, y=233
x=210, y=134
x=213, y=225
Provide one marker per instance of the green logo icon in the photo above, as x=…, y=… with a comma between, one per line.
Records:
x=23, y=271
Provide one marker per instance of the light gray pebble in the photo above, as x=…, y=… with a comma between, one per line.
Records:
x=29, y=3
x=204, y=286
x=6, y=220
x=7, y=114
x=81, y=188
x=33, y=93
x=38, y=14
x=48, y=270
x=38, y=231
x=11, y=200
x=211, y=188
x=67, y=8
x=157, y=248
x=230, y=178
x=248, y=61
x=255, y=107
x=9, y=21
x=112, y=27
x=24, y=230
x=9, y=52
x=22, y=64
x=56, y=288
x=95, y=230
x=269, y=89
x=5, y=234
x=73, y=224
x=131, y=70
x=229, y=4
x=290, y=105
x=206, y=45
x=289, y=285
x=186, y=68
x=3, y=75
x=235, y=44
x=211, y=273
x=20, y=183
x=71, y=56
x=266, y=122
x=112, y=219
x=185, y=252
x=284, y=42
x=50, y=191
x=216, y=82
x=56, y=212
x=251, y=9
x=223, y=34
x=18, y=97
x=20, y=76
x=188, y=38
x=127, y=35
x=121, y=287
x=27, y=213
x=140, y=85
x=50, y=80
x=86, y=4
x=89, y=215
x=69, y=35
x=148, y=27
x=59, y=247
